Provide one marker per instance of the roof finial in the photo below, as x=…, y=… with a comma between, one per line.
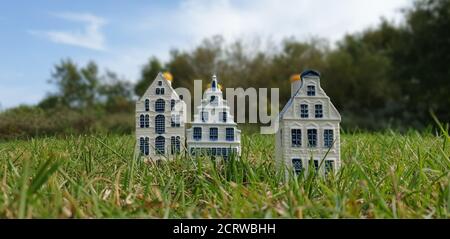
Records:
x=214, y=82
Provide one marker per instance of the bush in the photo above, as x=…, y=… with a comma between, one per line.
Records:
x=25, y=122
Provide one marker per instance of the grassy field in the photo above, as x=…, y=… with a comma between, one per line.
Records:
x=384, y=175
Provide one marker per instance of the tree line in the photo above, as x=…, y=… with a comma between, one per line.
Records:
x=388, y=76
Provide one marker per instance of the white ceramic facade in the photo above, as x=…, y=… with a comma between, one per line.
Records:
x=213, y=130
x=160, y=121
x=308, y=135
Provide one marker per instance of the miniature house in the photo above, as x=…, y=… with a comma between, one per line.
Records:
x=308, y=133
x=213, y=132
x=160, y=120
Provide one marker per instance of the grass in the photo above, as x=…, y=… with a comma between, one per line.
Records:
x=384, y=175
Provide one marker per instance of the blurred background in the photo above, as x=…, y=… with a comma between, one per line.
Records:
x=77, y=67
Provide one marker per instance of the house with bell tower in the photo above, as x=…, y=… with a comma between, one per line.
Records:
x=213, y=132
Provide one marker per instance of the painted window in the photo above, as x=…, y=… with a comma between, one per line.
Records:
x=175, y=144
x=159, y=83
x=316, y=165
x=298, y=165
x=172, y=144
x=197, y=134
x=224, y=116
x=296, y=137
x=160, y=142
x=175, y=121
x=147, y=121
x=311, y=90
x=234, y=151
x=204, y=115
x=312, y=137
x=219, y=151
x=159, y=91
x=147, y=105
x=329, y=166
x=304, y=111
x=144, y=145
x=142, y=121
x=160, y=105
x=229, y=134
x=172, y=105
x=178, y=144
x=160, y=124
x=224, y=151
x=213, y=134
x=181, y=97
x=147, y=146
x=212, y=99
x=319, y=111
x=328, y=138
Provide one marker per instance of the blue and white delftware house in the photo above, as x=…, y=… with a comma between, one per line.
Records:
x=308, y=134
x=213, y=132
x=160, y=120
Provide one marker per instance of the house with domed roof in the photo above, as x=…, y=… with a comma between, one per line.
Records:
x=308, y=135
x=160, y=120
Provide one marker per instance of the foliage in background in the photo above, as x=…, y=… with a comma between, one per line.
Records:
x=83, y=88
x=389, y=76
x=27, y=122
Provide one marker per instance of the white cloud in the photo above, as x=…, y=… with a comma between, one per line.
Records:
x=89, y=37
x=278, y=19
x=191, y=21
x=127, y=62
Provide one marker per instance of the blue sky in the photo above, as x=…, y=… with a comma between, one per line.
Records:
x=122, y=35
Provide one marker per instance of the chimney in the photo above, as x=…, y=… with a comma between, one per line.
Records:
x=297, y=80
x=296, y=83
x=168, y=77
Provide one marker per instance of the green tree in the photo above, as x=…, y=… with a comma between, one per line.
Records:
x=200, y=63
x=422, y=59
x=116, y=93
x=90, y=83
x=51, y=101
x=148, y=74
x=182, y=70
x=295, y=57
x=68, y=80
x=76, y=88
